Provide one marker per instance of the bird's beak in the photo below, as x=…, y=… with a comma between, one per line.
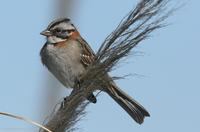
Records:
x=46, y=33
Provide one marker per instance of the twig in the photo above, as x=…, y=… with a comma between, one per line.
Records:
x=27, y=120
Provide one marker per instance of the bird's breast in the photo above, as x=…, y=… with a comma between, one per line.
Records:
x=63, y=61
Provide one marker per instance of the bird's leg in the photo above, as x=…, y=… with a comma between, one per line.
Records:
x=62, y=105
x=77, y=84
x=76, y=87
x=92, y=98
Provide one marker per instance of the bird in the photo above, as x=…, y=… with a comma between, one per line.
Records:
x=67, y=56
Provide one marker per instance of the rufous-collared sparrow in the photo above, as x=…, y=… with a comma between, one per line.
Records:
x=67, y=55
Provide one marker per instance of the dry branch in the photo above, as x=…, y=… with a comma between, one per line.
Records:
x=147, y=16
x=26, y=120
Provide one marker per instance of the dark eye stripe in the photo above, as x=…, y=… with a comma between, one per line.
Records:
x=62, y=33
x=70, y=30
x=58, y=30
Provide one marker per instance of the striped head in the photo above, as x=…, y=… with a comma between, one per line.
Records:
x=59, y=30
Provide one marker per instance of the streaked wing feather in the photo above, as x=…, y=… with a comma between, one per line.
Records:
x=88, y=55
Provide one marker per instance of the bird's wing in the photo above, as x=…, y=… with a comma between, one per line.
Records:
x=87, y=55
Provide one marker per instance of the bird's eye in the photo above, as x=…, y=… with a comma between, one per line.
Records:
x=58, y=30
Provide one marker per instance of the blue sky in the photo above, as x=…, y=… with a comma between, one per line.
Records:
x=167, y=75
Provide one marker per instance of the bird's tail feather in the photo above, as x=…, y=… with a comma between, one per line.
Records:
x=132, y=107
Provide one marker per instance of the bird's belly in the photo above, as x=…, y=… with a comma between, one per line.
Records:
x=67, y=73
x=64, y=65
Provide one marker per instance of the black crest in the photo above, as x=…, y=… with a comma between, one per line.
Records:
x=57, y=21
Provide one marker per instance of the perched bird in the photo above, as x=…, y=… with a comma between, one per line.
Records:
x=67, y=55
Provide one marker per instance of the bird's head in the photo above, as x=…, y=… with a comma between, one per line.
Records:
x=59, y=30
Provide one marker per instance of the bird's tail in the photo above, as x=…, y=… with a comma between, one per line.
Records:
x=132, y=107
